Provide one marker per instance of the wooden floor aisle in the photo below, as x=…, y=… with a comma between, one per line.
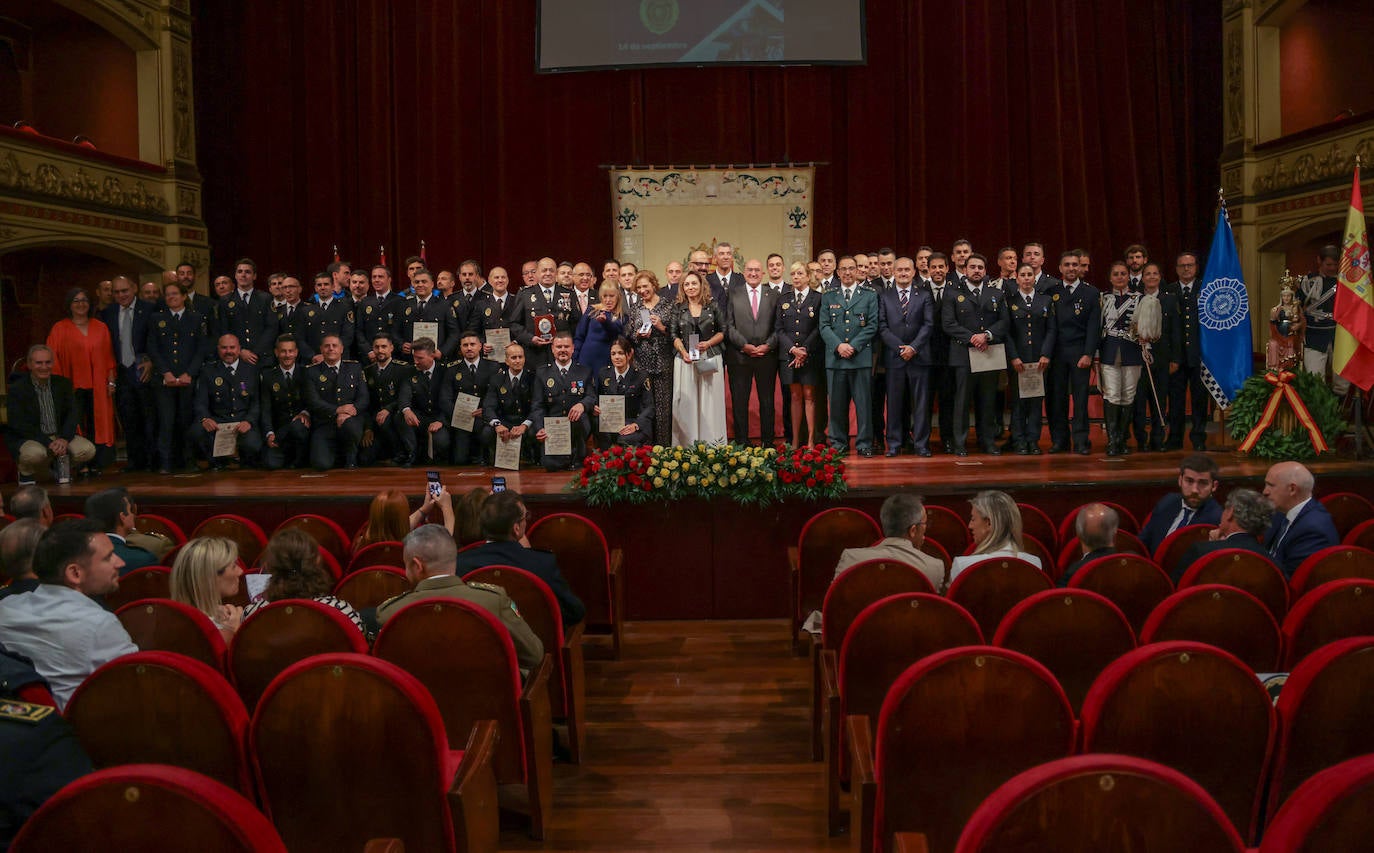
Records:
x=697, y=740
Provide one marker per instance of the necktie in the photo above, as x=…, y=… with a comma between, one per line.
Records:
x=902, y=297
x=754, y=301
x=1278, y=534
x=335, y=368
x=563, y=371
x=231, y=371
x=848, y=293
x=582, y=301
x=1187, y=290
x=1185, y=517
x=126, y=336
x=289, y=309
x=548, y=296
x=976, y=291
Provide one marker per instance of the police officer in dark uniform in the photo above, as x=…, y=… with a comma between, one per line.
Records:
x=376, y=312
x=285, y=420
x=291, y=311
x=428, y=307
x=227, y=393
x=564, y=389
x=386, y=435
x=1185, y=384
x=977, y=314
x=940, y=288
x=499, y=309
x=246, y=313
x=1078, y=330
x=425, y=421
x=331, y=316
x=1030, y=346
x=336, y=396
x=510, y=402
x=470, y=374
x=622, y=378
x=546, y=298
x=176, y=345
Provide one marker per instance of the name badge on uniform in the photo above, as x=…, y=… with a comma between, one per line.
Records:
x=219, y=380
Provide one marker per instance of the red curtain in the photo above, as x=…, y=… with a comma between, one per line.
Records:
x=1092, y=123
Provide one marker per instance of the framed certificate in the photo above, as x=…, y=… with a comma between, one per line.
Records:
x=463, y=407
x=498, y=339
x=558, y=436
x=612, y=412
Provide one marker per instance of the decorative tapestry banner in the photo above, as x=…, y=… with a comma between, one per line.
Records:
x=663, y=215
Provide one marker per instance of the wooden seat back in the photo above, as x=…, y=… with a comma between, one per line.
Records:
x=933, y=767
x=1361, y=535
x=946, y=527
x=283, y=632
x=1324, y=711
x=1073, y=632
x=1084, y=802
x=1332, y=564
x=243, y=532
x=371, y=586
x=1334, y=810
x=859, y=586
x=1031, y=545
x=539, y=608
x=163, y=625
x=823, y=538
x=1331, y=612
x=1192, y=707
x=989, y=589
x=163, y=708
x=1244, y=569
x=1036, y=522
x=584, y=558
x=387, y=553
x=1176, y=544
x=1348, y=509
x=150, y=523
x=146, y=807
x=1131, y=582
x=1222, y=616
x=325, y=531
x=147, y=582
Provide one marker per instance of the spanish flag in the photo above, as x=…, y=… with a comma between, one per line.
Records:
x=1353, y=355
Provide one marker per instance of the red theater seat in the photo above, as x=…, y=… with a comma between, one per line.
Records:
x=163, y=625
x=1129, y=581
x=371, y=586
x=1176, y=544
x=283, y=632
x=376, y=554
x=1348, y=510
x=591, y=567
x=811, y=562
x=989, y=589
x=1333, y=611
x=1243, y=569
x=1221, y=616
x=1331, y=564
x=325, y=531
x=147, y=582
x=1332, y=811
x=243, y=532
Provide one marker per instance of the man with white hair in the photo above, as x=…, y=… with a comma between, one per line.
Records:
x=1301, y=525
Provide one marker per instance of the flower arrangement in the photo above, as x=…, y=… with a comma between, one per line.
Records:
x=748, y=475
x=1268, y=424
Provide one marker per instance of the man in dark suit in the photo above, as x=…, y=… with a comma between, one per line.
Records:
x=177, y=347
x=1185, y=384
x=246, y=313
x=510, y=402
x=1030, y=345
x=504, y=521
x=1301, y=525
x=282, y=406
x=1191, y=504
x=227, y=393
x=470, y=374
x=127, y=318
x=376, y=312
x=336, y=396
x=724, y=278
x=115, y=512
x=330, y=317
x=906, y=321
x=1095, y=526
x=1153, y=391
x=751, y=342
x=290, y=317
x=42, y=422
x=564, y=390
x=420, y=406
x=428, y=307
x=941, y=374
x=1244, y=520
x=386, y=436
x=546, y=298
x=1078, y=331
x=976, y=318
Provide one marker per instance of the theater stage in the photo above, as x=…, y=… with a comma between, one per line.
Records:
x=705, y=559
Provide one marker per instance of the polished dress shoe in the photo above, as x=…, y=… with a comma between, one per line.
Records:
x=866, y=452
x=924, y=451
x=959, y=451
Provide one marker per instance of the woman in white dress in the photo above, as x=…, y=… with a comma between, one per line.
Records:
x=995, y=522
x=698, y=390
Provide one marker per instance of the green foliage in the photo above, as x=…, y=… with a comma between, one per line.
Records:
x=1254, y=395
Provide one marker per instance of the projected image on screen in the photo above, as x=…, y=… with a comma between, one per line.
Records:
x=577, y=34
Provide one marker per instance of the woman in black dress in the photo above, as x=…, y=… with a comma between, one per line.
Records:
x=802, y=363
x=654, y=352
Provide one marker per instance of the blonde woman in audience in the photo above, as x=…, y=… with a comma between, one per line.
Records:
x=207, y=572
x=292, y=558
x=995, y=522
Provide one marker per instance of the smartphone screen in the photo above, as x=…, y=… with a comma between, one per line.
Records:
x=434, y=485
x=498, y=484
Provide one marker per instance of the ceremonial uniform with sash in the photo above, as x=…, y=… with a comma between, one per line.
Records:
x=475, y=379
x=639, y=405
x=327, y=389
x=282, y=405
x=1030, y=338
x=391, y=439
x=1153, y=392
x=1119, y=370
x=1318, y=294
x=557, y=390
x=227, y=394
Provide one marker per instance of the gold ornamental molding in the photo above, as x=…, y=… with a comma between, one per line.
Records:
x=98, y=187
x=1320, y=163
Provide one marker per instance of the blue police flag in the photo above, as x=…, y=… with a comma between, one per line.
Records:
x=1224, y=317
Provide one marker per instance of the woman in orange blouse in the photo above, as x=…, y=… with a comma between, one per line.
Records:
x=82, y=353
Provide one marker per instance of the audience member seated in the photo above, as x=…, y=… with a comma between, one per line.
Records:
x=18, y=541
x=116, y=514
x=58, y=626
x=467, y=523
x=32, y=502
x=1193, y=504
x=1245, y=518
x=995, y=522
x=42, y=421
x=430, y=554
x=504, y=521
x=41, y=751
x=207, y=572
x=1301, y=526
x=292, y=559
x=389, y=518
x=903, y=517
x=1096, y=526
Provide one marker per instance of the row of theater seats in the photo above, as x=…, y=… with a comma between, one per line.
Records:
x=959, y=723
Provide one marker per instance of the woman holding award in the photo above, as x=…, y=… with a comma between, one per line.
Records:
x=800, y=351
x=698, y=377
x=625, y=407
x=654, y=352
x=603, y=322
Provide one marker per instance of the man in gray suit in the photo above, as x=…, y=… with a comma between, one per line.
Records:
x=903, y=517
x=751, y=339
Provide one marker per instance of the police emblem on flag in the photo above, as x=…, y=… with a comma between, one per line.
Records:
x=1223, y=305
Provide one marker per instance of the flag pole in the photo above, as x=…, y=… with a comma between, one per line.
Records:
x=1359, y=392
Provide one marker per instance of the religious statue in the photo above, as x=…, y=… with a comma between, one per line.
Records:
x=1286, y=327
